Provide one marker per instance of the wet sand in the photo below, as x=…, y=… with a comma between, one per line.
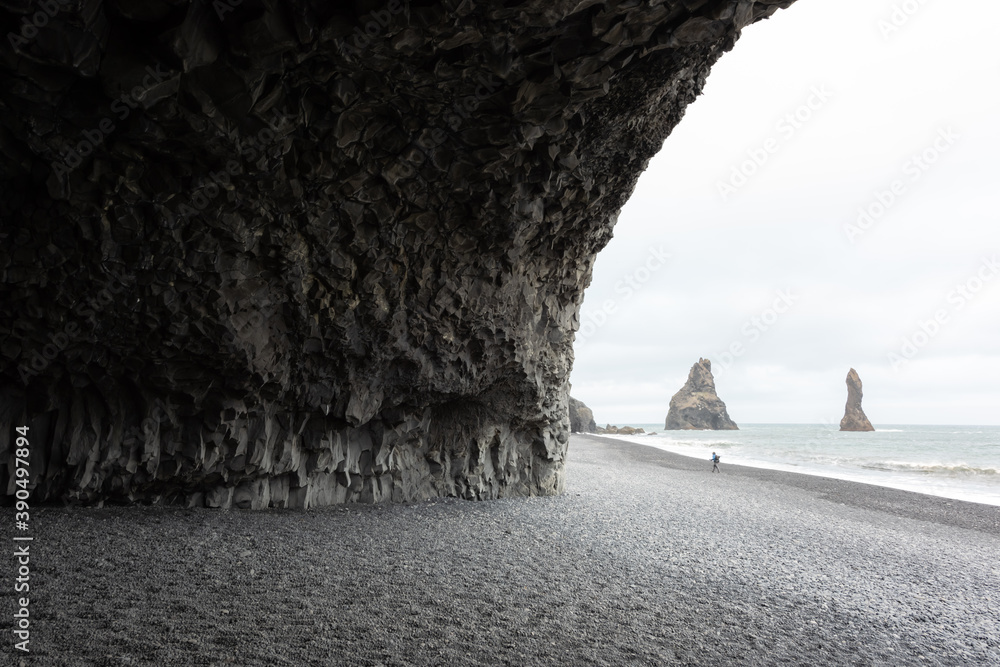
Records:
x=648, y=559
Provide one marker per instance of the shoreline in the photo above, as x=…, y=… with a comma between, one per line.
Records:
x=647, y=559
x=958, y=489
x=910, y=504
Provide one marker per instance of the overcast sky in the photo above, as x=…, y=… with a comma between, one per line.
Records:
x=820, y=112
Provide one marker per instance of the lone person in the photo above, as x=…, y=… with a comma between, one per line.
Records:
x=715, y=462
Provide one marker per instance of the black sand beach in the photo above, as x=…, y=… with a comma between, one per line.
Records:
x=648, y=559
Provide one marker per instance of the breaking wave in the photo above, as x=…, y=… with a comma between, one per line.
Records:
x=930, y=468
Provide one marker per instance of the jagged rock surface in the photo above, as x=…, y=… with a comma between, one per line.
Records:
x=581, y=418
x=854, y=417
x=300, y=253
x=610, y=429
x=696, y=406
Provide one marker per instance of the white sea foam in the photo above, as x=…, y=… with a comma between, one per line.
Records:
x=931, y=468
x=954, y=462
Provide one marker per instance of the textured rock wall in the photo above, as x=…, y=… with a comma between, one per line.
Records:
x=581, y=418
x=298, y=253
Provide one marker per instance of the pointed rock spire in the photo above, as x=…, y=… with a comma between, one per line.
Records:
x=696, y=406
x=854, y=417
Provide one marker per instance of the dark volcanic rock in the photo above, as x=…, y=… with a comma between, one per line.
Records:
x=300, y=253
x=629, y=430
x=854, y=417
x=610, y=429
x=696, y=406
x=581, y=418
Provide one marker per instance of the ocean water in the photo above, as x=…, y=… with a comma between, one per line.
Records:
x=960, y=462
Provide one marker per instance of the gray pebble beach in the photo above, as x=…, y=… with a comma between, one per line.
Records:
x=648, y=559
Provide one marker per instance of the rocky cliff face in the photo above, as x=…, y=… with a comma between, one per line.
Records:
x=298, y=253
x=854, y=417
x=696, y=406
x=581, y=418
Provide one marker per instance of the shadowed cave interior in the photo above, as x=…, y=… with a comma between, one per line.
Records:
x=301, y=253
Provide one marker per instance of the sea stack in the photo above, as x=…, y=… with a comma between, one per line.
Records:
x=696, y=406
x=854, y=417
x=581, y=418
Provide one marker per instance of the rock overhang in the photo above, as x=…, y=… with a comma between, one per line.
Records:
x=289, y=254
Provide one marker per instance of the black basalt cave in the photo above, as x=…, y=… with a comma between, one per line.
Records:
x=262, y=253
